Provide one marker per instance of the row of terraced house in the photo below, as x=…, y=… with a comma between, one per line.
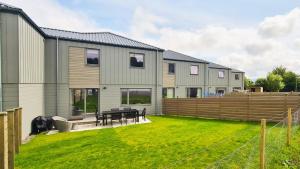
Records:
x=54, y=72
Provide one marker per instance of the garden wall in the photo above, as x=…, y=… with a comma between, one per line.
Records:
x=248, y=107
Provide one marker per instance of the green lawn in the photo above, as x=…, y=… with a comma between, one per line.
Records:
x=167, y=142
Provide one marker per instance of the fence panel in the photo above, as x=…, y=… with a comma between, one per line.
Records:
x=250, y=107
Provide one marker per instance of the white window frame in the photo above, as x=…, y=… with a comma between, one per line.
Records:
x=219, y=75
x=191, y=73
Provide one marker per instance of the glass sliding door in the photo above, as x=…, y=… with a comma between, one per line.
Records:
x=91, y=100
x=84, y=101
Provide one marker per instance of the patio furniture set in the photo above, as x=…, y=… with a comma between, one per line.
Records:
x=119, y=115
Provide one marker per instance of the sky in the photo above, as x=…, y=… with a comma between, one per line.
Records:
x=250, y=35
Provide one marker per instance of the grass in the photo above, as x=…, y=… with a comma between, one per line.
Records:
x=167, y=142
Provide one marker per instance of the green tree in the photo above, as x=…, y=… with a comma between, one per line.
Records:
x=261, y=82
x=280, y=70
x=289, y=79
x=248, y=83
x=274, y=82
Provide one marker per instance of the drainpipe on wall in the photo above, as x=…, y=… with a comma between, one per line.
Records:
x=156, y=85
x=56, y=77
x=1, y=102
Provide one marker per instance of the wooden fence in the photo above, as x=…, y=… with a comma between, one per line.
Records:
x=239, y=107
x=10, y=136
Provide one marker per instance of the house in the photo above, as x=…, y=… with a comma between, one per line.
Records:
x=188, y=77
x=223, y=79
x=51, y=72
x=184, y=76
x=56, y=72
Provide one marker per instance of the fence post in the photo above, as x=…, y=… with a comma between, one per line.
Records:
x=262, y=143
x=11, y=138
x=16, y=129
x=289, y=127
x=20, y=125
x=3, y=141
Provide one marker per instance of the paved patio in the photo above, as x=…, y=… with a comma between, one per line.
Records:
x=89, y=123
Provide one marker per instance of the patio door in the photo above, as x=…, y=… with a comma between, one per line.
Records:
x=84, y=101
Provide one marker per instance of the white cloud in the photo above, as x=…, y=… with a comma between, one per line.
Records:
x=256, y=50
x=49, y=13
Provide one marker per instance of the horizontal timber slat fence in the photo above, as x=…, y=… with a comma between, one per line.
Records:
x=239, y=107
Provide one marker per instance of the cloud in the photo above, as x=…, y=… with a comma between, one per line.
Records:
x=256, y=50
x=280, y=25
x=50, y=13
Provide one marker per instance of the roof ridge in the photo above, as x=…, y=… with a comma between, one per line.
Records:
x=9, y=6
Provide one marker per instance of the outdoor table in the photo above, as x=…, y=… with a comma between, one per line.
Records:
x=105, y=113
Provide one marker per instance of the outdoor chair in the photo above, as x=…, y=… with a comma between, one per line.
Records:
x=127, y=108
x=116, y=116
x=143, y=114
x=99, y=117
x=130, y=115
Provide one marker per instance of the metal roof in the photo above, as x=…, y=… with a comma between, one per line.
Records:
x=217, y=66
x=172, y=55
x=107, y=38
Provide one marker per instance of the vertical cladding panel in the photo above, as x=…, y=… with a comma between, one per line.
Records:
x=50, y=61
x=31, y=98
x=116, y=66
x=10, y=96
x=214, y=80
x=183, y=76
x=237, y=83
x=50, y=99
x=31, y=54
x=9, y=48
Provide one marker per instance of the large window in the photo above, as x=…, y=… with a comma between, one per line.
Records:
x=194, y=70
x=194, y=92
x=221, y=74
x=237, y=77
x=171, y=68
x=84, y=101
x=168, y=92
x=137, y=60
x=92, y=56
x=135, y=96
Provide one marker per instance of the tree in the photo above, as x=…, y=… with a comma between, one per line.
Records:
x=280, y=70
x=274, y=82
x=261, y=82
x=289, y=80
x=248, y=83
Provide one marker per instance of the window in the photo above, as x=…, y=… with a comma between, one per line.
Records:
x=194, y=92
x=220, y=91
x=136, y=60
x=171, y=68
x=236, y=77
x=194, y=70
x=135, y=96
x=168, y=92
x=92, y=56
x=221, y=74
